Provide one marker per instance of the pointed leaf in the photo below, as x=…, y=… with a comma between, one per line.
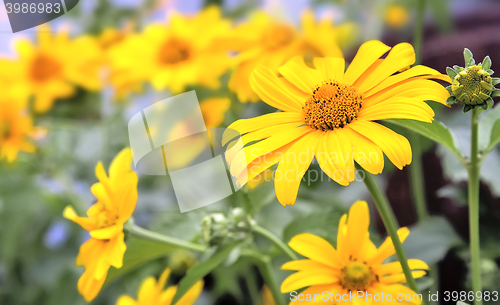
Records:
x=467, y=108
x=486, y=63
x=490, y=72
x=451, y=73
x=495, y=81
x=469, y=58
x=451, y=100
x=435, y=131
x=489, y=130
x=495, y=93
x=458, y=68
x=200, y=270
x=448, y=88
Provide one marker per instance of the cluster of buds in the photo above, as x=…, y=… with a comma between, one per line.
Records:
x=218, y=228
x=473, y=85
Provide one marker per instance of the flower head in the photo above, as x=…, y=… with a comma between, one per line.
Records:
x=116, y=199
x=473, y=85
x=355, y=266
x=51, y=70
x=397, y=16
x=153, y=292
x=328, y=114
x=175, y=55
x=271, y=43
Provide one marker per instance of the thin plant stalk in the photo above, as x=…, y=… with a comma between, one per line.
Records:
x=275, y=241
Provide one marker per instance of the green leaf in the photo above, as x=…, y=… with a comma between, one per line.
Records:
x=489, y=130
x=200, y=270
x=435, y=131
x=490, y=72
x=139, y=251
x=495, y=93
x=451, y=100
x=486, y=63
x=495, y=81
x=451, y=73
x=431, y=239
x=469, y=58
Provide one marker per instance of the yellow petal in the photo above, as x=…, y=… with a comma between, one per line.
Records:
x=271, y=90
x=395, y=146
x=303, y=264
x=89, y=287
x=192, y=295
x=148, y=293
x=248, y=125
x=293, y=166
x=316, y=291
x=402, y=55
x=162, y=281
x=342, y=243
x=398, y=108
x=395, y=267
x=126, y=300
x=107, y=233
x=366, y=153
x=116, y=251
x=85, y=223
x=300, y=75
x=387, y=248
x=331, y=68
x=307, y=278
x=358, y=221
x=315, y=248
x=400, y=278
x=367, y=54
x=121, y=163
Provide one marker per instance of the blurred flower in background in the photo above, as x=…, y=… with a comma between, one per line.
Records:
x=397, y=16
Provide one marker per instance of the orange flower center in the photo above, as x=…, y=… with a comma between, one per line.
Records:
x=356, y=276
x=332, y=105
x=44, y=68
x=174, y=51
x=106, y=218
x=278, y=36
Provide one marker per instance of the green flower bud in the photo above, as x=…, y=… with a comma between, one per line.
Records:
x=241, y=224
x=473, y=85
x=180, y=261
x=214, y=228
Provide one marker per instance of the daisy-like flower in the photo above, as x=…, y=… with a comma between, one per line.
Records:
x=56, y=65
x=356, y=267
x=116, y=199
x=16, y=125
x=153, y=292
x=263, y=40
x=328, y=114
x=181, y=53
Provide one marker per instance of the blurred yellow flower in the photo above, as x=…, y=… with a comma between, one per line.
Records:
x=152, y=293
x=214, y=110
x=181, y=53
x=16, y=124
x=397, y=16
x=266, y=175
x=263, y=40
x=329, y=114
x=355, y=267
x=116, y=199
x=54, y=67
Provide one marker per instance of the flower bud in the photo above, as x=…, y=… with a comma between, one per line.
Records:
x=214, y=228
x=473, y=85
x=180, y=261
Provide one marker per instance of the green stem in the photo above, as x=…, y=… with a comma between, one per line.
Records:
x=153, y=236
x=275, y=240
x=266, y=270
x=390, y=224
x=418, y=35
x=473, y=170
x=417, y=178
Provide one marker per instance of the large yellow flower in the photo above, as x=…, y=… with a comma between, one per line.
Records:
x=116, y=199
x=355, y=272
x=152, y=293
x=184, y=52
x=263, y=40
x=329, y=114
x=16, y=124
x=57, y=64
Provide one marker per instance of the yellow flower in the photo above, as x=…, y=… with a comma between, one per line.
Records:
x=355, y=267
x=263, y=40
x=152, y=293
x=56, y=65
x=16, y=124
x=184, y=52
x=329, y=114
x=397, y=16
x=116, y=199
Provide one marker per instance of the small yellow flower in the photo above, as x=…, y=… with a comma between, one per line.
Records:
x=329, y=114
x=16, y=125
x=397, y=16
x=181, y=53
x=263, y=40
x=152, y=293
x=57, y=64
x=116, y=199
x=355, y=267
